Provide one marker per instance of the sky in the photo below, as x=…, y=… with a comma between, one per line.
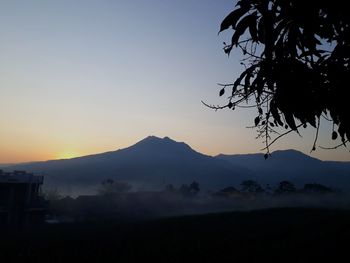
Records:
x=88, y=76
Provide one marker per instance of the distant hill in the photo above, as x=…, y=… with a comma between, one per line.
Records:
x=3, y=165
x=149, y=164
x=294, y=166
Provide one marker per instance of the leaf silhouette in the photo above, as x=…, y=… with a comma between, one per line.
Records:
x=222, y=92
x=256, y=121
x=334, y=135
x=232, y=18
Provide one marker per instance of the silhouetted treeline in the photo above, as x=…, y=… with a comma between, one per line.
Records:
x=283, y=187
x=115, y=200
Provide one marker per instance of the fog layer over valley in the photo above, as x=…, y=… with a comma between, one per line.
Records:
x=164, y=177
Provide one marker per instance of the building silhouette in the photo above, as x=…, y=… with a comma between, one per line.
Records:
x=20, y=200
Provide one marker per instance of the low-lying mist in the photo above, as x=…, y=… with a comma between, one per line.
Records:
x=154, y=204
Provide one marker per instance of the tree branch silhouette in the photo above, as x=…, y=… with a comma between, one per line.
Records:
x=296, y=59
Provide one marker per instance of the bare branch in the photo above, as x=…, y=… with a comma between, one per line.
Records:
x=283, y=134
x=335, y=147
x=316, y=137
x=214, y=107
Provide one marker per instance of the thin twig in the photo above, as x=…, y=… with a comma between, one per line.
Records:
x=316, y=137
x=215, y=107
x=279, y=137
x=335, y=147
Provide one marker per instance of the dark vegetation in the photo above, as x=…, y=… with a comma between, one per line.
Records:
x=296, y=65
x=118, y=204
x=273, y=235
x=125, y=226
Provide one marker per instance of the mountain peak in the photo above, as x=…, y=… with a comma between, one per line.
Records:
x=151, y=138
x=155, y=139
x=154, y=143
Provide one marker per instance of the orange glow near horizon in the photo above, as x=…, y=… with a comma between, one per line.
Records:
x=30, y=154
x=74, y=86
x=67, y=155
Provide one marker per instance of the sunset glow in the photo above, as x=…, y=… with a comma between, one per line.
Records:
x=134, y=130
x=99, y=77
x=68, y=155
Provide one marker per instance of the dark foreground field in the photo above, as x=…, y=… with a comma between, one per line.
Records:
x=273, y=235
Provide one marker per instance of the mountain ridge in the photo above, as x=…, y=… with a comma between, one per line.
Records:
x=150, y=164
x=153, y=162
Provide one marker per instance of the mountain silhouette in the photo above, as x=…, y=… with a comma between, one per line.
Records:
x=154, y=162
x=294, y=166
x=151, y=163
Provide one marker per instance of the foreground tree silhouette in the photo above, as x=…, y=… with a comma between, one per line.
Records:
x=296, y=58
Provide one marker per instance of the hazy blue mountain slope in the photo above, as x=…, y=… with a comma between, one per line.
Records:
x=150, y=163
x=155, y=162
x=294, y=166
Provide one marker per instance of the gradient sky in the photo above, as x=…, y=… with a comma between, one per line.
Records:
x=81, y=77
